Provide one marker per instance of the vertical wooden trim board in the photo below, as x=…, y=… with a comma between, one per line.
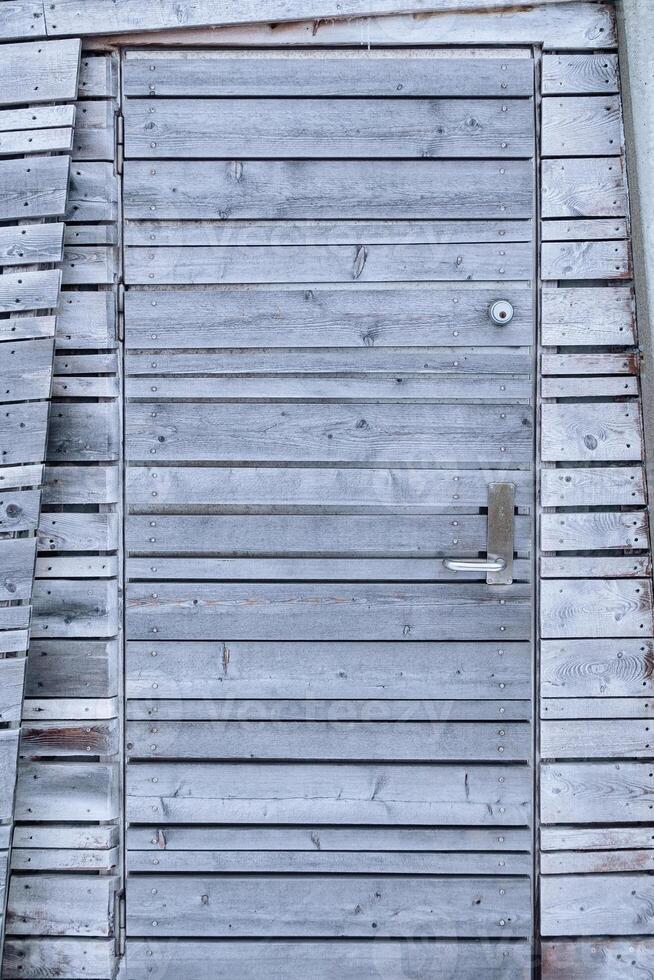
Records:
x=35, y=151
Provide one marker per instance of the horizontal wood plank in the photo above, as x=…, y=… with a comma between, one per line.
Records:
x=603, y=431
x=39, y=71
x=586, y=905
x=596, y=608
x=576, y=74
x=33, y=188
x=582, y=125
x=596, y=793
x=593, y=187
x=588, y=317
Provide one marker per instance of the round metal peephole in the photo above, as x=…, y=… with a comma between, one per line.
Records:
x=501, y=312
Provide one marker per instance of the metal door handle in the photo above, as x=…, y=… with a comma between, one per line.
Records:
x=475, y=564
x=498, y=565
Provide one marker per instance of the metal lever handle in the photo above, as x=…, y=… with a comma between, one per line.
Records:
x=475, y=564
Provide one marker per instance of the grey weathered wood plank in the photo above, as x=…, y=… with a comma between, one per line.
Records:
x=593, y=187
x=37, y=117
x=74, y=387
x=579, y=387
x=27, y=327
x=326, y=670
x=94, y=130
x=21, y=477
x=598, y=862
x=332, y=740
x=69, y=16
x=80, y=485
x=23, y=432
x=57, y=905
x=12, y=673
x=328, y=128
x=377, y=434
x=596, y=608
x=15, y=617
x=89, y=265
x=302, y=569
x=65, y=607
x=400, y=74
x=13, y=641
x=592, y=838
x=636, y=566
x=93, y=192
x=36, y=141
x=22, y=19
x=358, y=263
x=68, y=738
x=30, y=244
x=75, y=566
x=72, y=668
x=8, y=757
x=27, y=370
x=588, y=317
x=586, y=260
x=368, y=316
x=334, y=794
x=59, y=859
x=342, y=489
x=559, y=709
x=327, y=189
x=597, y=668
x=349, y=536
x=326, y=906
x=29, y=290
x=83, y=433
x=584, y=229
x=601, y=431
x=248, y=233
x=17, y=557
x=586, y=905
x=85, y=837
x=47, y=957
x=602, y=959
x=610, y=486
x=91, y=235
x=596, y=792
x=590, y=364
x=86, y=320
x=98, y=76
x=76, y=709
x=595, y=532
x=352, y=960
x=576, y=74
x=19, y=511
x=67, y=792
x=588, y=125
x=334, y=862
x=68, y=531
x=375, y=612
x=67, y=364
x=325, y=710
x=596, y=739
x=33, y=188
x=39, y=71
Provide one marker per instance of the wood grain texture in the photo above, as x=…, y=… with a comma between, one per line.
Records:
x=592, y=487
x=603, y=431
x=84, y=906
x=586, y=905
x=583, y=125
x=584, y=187
x=596, y=608
x=39, y=71
x=577, y=74
x=43, y=957
x=588, y=317
x=586, y=260
x=33, y=188
x=30, y=244
x=603, y=959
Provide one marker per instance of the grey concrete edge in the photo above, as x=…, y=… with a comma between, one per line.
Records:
x=636, y=46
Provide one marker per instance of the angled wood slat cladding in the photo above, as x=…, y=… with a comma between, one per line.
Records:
x=34, y=189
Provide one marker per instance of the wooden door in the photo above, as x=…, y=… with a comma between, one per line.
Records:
x=328, y=731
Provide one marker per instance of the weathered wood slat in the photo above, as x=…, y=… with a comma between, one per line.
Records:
x=22, y=327
x=586, y=905
x=93, y=363
x=98, y=76
x=15, y=617
x=558, y=709
x=80, y=485
x=93, y=192
x=602, y=959
x=586, y=260
x=13, y=641
x=327, y=670
x=72, y=387
x=19, y=511
x=67, y=792
x=45, y=957
x=342, y=489
x=368, y=316
x=29, y=244
x=593, y=487
x=37, y=117
x=589, y=364
x=588, y=317
x=328, y=189
x=331, y=741
x=51, y=859
x=27, y=370
x=584, y=229
x=375, y=612
x=594, y=532
x=68, y=608
x=86, y=320
x=72, y=669
x=592, y=739
x=597, y=668
x=18, y=477
x=54, y=905
x=89, y=265
x=329, y=906
x=18, y=558
x=596, y=792
x=635, y=566
x=337, y=794
x=584, y=432
x=593, y=187
x=23, y=430
x=584, y=125
x=589, y=862
x=352, y=960
x=385, y=434
x=77, y=532
x=42, y=836
x=8, y=757
x=75, y=566
x=272, y=535
x=35, y=188
x=39, y=71
x=22, y=19
x=579, y=387
x=68, y=738
x=91, y=235
x=360, y=263
x=328, y=128
x=94, y=131
x=589, y=838
x=248, y=233
x=83, y=433
x=400, y=74
x=77, y=709
x=575, y=74
x=21, y=291
x=596, y=608
x=11, y=688
x=36, y=141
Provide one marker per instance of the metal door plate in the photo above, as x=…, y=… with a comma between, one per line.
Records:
x=501, y=507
